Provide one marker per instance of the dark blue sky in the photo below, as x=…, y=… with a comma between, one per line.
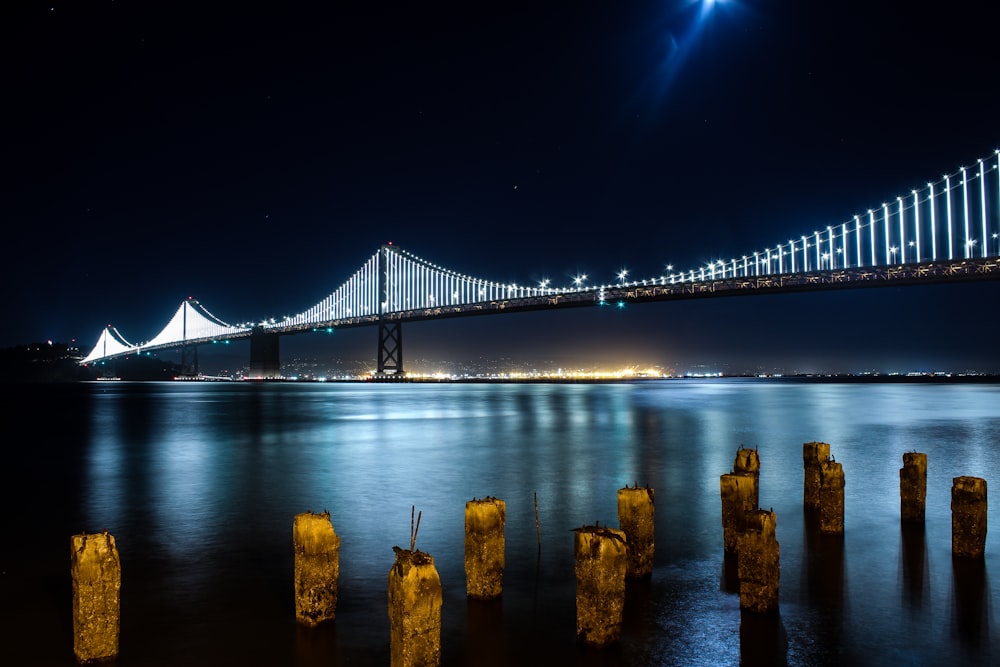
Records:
x=254, y=156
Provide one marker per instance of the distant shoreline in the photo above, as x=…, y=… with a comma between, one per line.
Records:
x=829, y=379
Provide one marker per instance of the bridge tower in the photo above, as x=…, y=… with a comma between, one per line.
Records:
x=390, y=333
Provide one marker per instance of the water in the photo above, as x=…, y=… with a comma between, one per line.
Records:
x=199, y=484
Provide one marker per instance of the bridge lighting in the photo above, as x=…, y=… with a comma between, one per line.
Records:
x=843, y=235
x=996, y=243
x=829, y=237
x=578, y=280
x=916, y=224
x=902, y=232
x=857, y=239
x=965, y=211
x=982, y=199
x=947, y=193
x=621, y=305
x=885, y=224
x=621, y=276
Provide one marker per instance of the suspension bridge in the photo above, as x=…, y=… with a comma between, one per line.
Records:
x=945, y=231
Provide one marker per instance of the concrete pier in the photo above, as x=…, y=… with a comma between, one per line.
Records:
x=317, y=568
x=415, y=598
x=968, y=517
x=831, y=498
x=739, y=497
x=484, y=547
x=759, y=563
x=813, y=454
x=635, y=519
x=913, y=487
x=601, y=557
x=95, y=569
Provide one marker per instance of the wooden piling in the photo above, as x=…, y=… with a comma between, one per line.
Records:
x=813, y=454
x=415, y=598
x=601, y=558
x=317, y=568
x=739, y=497
x=968, y=517
x=635, y=519
x=831, y=498
x=95, y=569
x=759, y=563
x=484, y=547
x=913, y=487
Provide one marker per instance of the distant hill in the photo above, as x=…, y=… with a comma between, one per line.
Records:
x=59, y=362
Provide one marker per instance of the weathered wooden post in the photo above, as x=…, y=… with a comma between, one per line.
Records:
x=601, y=557
x=317, y=568
x=831, y=497
x=913, y=487
x=635, y=519
x=95, y=569
x=968, y=517
x=739, y=497
x=759, y=564
x=813, y=454
x=484, y=547
x=415, y=598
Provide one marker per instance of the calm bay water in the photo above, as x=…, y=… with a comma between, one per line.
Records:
x=199, y=483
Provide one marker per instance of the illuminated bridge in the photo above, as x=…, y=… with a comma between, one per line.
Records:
x=946, y=231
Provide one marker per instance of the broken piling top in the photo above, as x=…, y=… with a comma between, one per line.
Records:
x=747, y=460
x=313, y=533
x=763, y=522
x=814, y=452
x=417, y=568
x=485, y=514
x=415, y=598
x=317, y=568
x=968, y=517
x=635, y=519
x=485, y=546
x=96, y=576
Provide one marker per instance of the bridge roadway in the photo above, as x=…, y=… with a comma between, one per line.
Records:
x=265, y=361
x=923, y=273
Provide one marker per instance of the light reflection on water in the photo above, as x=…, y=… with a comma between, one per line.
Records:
x=199, y=483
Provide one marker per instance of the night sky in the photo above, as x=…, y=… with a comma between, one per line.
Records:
x=254, y=155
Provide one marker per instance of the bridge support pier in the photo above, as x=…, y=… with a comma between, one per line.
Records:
x=264, y=359
x=189, y=360
x=390, y=349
